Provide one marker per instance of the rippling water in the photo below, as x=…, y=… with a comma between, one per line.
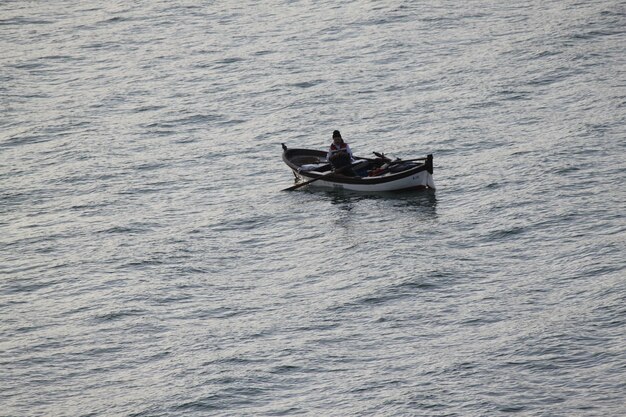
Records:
x=150, y=265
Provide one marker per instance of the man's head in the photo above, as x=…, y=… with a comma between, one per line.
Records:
x=337, y=137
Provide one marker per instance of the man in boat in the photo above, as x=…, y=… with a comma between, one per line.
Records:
x=340, y=155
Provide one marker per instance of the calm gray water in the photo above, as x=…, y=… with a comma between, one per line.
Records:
x=151, y=266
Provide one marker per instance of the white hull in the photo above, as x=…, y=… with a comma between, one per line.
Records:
x=416, y=181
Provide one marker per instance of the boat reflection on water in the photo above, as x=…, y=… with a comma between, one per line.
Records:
x=425, y=200
x=381, y=216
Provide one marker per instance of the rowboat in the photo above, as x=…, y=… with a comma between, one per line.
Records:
x=310, y=167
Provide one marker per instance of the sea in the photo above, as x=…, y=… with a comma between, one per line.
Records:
x=152, y=265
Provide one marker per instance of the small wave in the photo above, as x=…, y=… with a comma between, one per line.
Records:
x=224, y=313
x=171, y=125
x=396, y=292
x=22, y=21
x=505, y=233
x=133, y=228
x=307, y=84
x=513, y=95
x=29, y=65
x=211, y=403
x=545, y=54
x=592, y=34
x=117, y=315
x=512, y=409
x=286, y=369
x=568, y=170
x=61, y=58
x=228, y=61
x=159, y=125
x=143, y=109
x=101, y=45
x=199, y=119
x=116, y=19
x=150, y=167
x=264, y=52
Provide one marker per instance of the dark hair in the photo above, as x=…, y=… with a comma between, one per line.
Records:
x=336, y=134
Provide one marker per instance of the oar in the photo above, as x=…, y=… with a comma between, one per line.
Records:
x=397, y=161
x=387, y=165
x=337, y=171
x=400, y=161
x=302, y=184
